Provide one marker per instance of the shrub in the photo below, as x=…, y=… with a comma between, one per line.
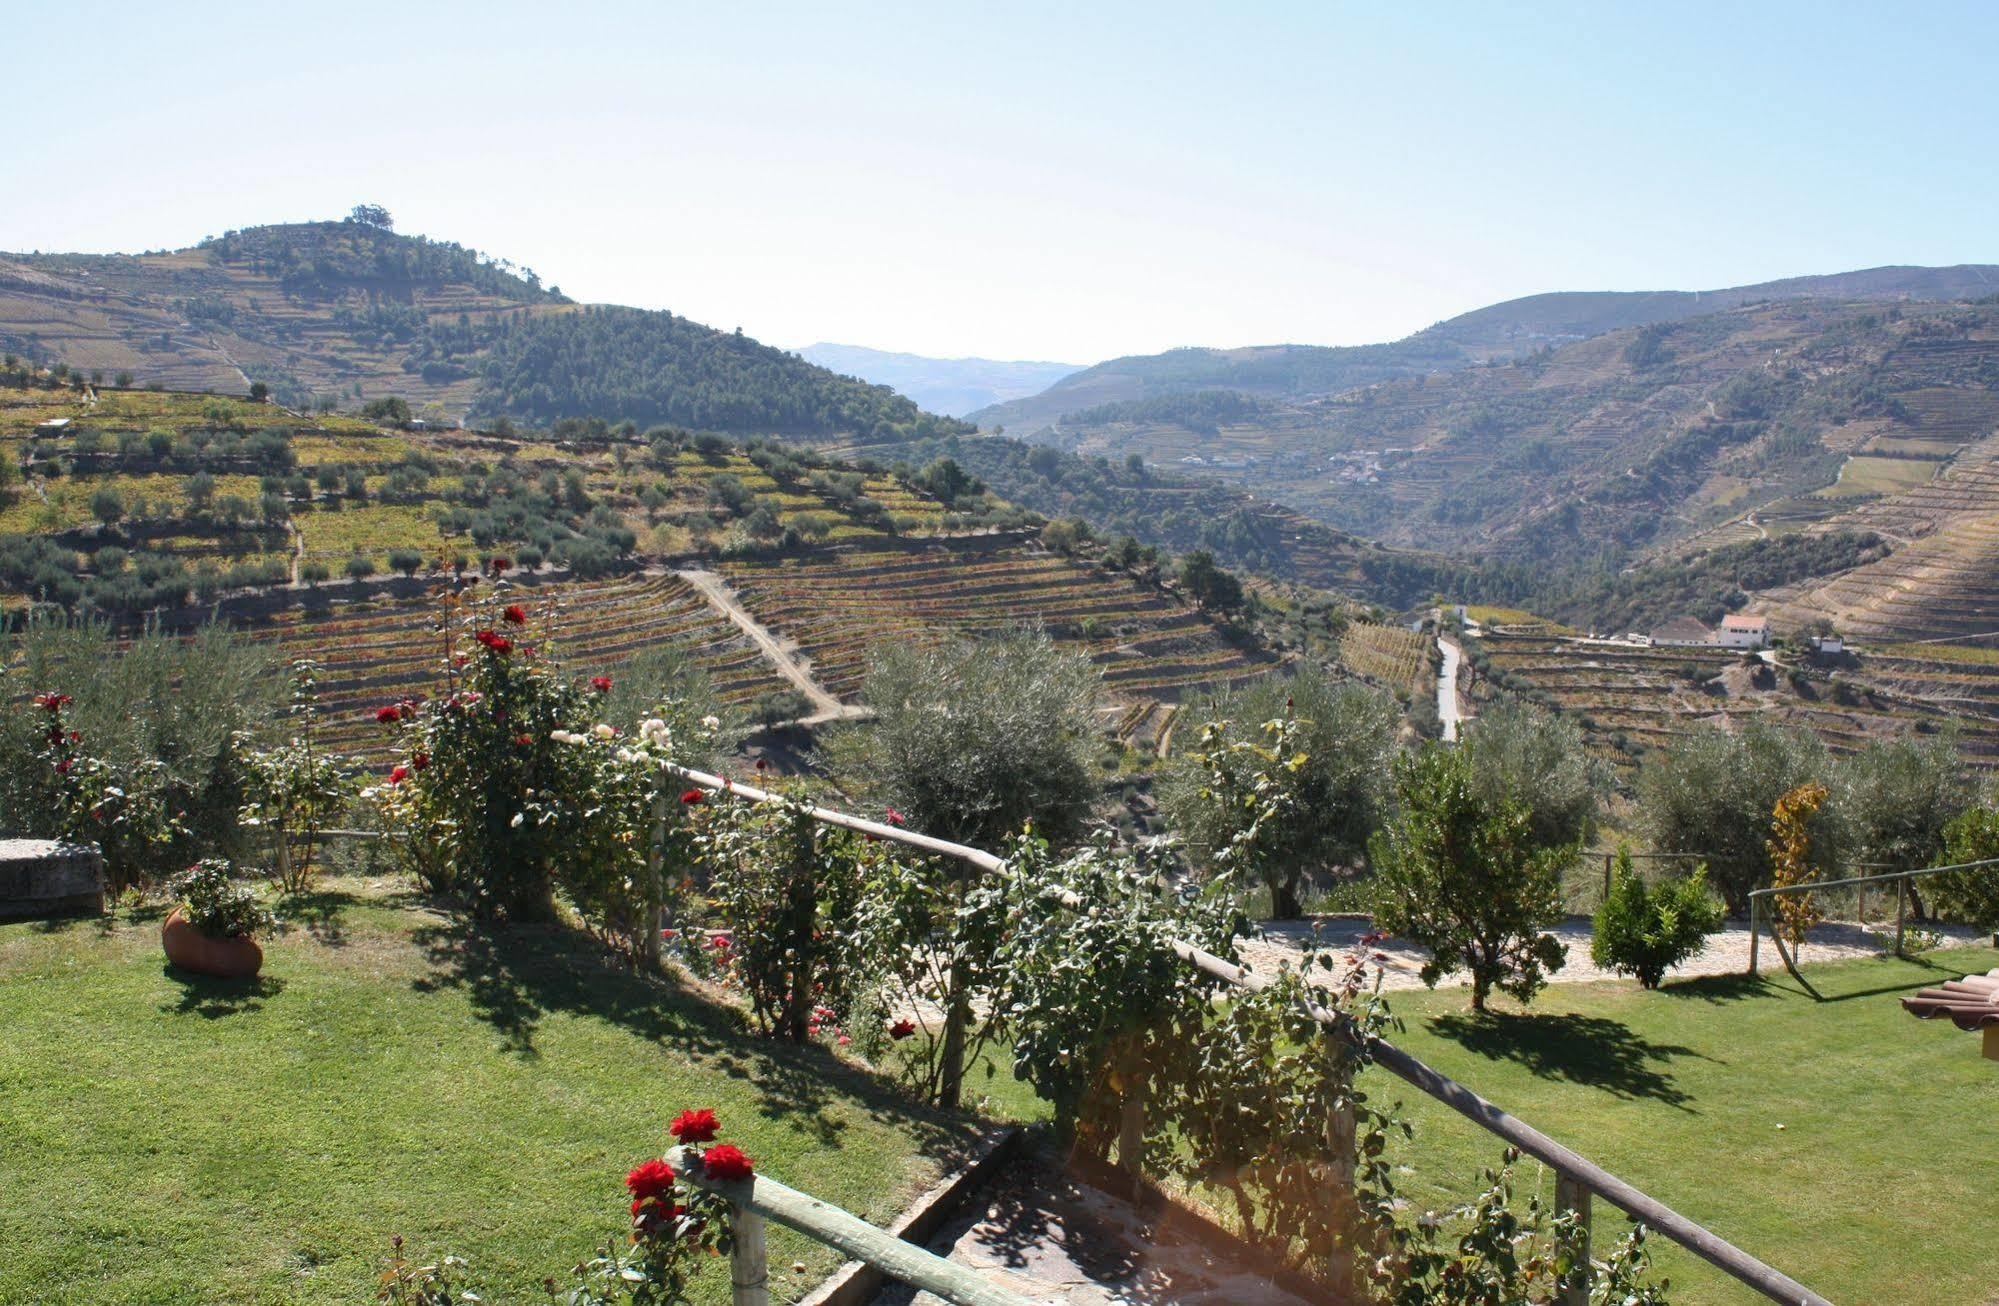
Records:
x=293, y=789
x=786, y=885
x=1971, y=896
x=215, y=902
x=1646, y=932
x=1459, y=873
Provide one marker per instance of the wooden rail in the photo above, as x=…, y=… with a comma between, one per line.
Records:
x=1577, y=1178
x=1900, y=879
x=761, y=1198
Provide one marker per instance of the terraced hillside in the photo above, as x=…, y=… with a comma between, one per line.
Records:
x=1630, y=699
x=144, y=499
x=391, y=644
x=839, y=607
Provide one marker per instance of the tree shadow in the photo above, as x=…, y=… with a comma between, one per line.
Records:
x=319, y=913
x=1717, y=989
x=514, y=976
x=212, y=998
x=1593, y=1051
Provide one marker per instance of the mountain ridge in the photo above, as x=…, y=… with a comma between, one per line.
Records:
x=1508, y=329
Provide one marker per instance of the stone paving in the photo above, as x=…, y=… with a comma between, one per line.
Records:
x=1052, y=1238
x=1727, y=952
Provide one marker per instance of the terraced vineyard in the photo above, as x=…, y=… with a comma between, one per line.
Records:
x=1631, y=698
x=1389, y=655
x=840, y=606
x=375, y=652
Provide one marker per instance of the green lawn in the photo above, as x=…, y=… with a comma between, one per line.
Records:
x=1877, y=1188
x=167, y=1140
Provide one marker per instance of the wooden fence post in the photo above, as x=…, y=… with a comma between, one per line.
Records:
x=1901, y=912
x=749, y=1269
x=1570, y=1195
x=1131, y=1127
x=1755, y=936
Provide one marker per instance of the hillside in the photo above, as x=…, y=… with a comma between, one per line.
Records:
x=330, y=538
x=337, y=313
x=1506, y=330
x=950, y=386
x=1623, y=445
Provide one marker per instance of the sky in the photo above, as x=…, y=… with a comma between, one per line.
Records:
x=1036, y=181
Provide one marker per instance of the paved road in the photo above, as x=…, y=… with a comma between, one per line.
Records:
x=1447, y=688
x=788, y=664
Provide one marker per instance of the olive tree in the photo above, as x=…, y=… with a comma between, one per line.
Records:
x=974, y=739
x=1897, y=797
x=1288, y=779
x=1711, y=793
x=1538, y=759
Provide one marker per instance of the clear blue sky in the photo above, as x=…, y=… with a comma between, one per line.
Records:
x=1064, y=181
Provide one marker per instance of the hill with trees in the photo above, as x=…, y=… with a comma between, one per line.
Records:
x=339, y=314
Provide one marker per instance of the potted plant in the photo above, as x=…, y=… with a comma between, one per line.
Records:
x=212, y=928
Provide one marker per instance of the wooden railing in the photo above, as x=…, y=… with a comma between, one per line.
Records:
x=1900, y=879
x=760, y=1198
x=1577, y=1178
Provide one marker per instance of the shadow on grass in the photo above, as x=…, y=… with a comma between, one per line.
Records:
x=212, y=999
x=318, y=912
x=1593, y=1051
x=1723, y=988
x=515, y=976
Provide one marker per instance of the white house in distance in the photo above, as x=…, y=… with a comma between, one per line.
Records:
x=1738, y=631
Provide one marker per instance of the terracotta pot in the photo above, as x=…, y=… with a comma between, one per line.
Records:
x=190, y=949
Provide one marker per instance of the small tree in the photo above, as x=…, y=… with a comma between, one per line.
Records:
x=1790, y=846
x=1898, y=796
x=1539, y=759
x=314, y=573
x=1208, y=584
x=406, y=561
x=360, y=567
x=1460, y=874
x=1645, y=932
x=107, y=506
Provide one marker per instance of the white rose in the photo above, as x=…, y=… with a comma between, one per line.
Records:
x=605, y=732
x=520, y=818
x=711, y=723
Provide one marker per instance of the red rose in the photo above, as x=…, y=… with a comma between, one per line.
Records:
x=652, y=1179
x=389, y=715
x=894, y=817
x=693, y=798
x=400, y=774
x=52, y=702
x=515, y=615
x=762, y=763
x=420, y=761
x=522, y=741
x=499, y=565
x=694, y=1126
x=725, y=1161
x=602, y=684
x=498, y=643
x=63, y=767
x=902, y=1029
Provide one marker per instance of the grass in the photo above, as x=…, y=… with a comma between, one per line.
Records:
x=169, y=1139
x=1876, y=1188
x=1862, y=474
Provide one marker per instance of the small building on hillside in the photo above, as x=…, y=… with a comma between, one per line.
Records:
x=1682, y=632
x=1739, y=631
x=1828, y=645
x=53, y=427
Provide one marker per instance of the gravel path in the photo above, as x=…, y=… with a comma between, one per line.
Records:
x=1727, y=952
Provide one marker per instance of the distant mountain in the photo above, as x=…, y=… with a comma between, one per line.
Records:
x=340, y=312
x=1507, y=330
x=952, y=386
